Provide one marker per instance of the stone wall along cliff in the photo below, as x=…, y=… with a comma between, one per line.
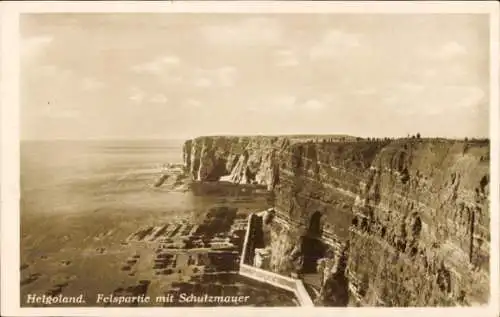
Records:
x=410, y=217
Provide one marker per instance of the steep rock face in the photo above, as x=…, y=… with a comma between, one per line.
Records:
x=241, y=160
x=424, y=206
x=413, y=214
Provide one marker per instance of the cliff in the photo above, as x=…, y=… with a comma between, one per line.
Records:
x=247, y=160
x=408, y=218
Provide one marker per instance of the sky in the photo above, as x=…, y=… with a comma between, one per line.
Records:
x=175, y=76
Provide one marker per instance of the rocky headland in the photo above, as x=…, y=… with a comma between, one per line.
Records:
x=405, y=222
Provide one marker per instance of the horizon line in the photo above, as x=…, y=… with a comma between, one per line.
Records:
x=253, y=135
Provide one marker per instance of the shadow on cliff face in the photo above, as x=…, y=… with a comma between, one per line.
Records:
x=312, y=247
x=306, y=254
x=313, y=250
x=335, y=290
x=256, y=238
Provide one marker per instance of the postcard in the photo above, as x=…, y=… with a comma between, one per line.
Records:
x=234, y=157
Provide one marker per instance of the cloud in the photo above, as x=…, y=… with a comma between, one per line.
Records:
x=288, y=103
x=410, y=88
x=192, y=103
x=157, y=66
x=202, y=82
x=222, y=77
x=158, y=98
x=248, y=32
x=446, y=51
x=52, y=73
x=467, y=97
x=430, y=73
x=226, y=76
x=334, y=43
x=434, y=100
x=54, y=112
x=286, y=58
x=274, y=104
x=137, y=95
x=451, y=49
x=446, y=72
x=284, y=102
x=91, y=84
x=314, y=105
x=33, y=46
x=365, y=91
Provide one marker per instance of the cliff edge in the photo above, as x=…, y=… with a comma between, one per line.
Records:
x=409, y=218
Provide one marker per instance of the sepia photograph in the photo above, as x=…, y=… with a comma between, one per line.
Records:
x=255, y=159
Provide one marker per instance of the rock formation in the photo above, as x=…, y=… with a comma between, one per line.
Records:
x=414, y=212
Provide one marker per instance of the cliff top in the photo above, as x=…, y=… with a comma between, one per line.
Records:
x=334, y=138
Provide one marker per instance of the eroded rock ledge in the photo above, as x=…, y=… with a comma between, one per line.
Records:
x=406, y=219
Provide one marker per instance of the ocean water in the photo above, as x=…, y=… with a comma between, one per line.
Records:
x=82, y=200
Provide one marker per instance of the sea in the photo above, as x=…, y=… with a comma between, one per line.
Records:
x=81, y=201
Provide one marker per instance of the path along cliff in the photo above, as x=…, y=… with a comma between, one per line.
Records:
x=404, y=221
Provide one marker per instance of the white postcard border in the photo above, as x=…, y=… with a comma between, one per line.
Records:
x=10, y=190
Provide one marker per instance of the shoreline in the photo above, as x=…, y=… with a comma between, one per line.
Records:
x=168, y=258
